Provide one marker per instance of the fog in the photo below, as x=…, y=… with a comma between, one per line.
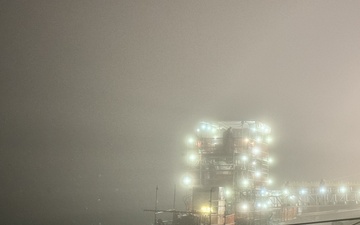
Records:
x=97, y=98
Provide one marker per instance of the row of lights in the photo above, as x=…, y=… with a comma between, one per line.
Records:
x=256, y=151
x=209, y=127
x=187, y=180
x=260, y=205
x=193, y=157
x=322, y=190
x=268, y=139
x=205, y=127
x=244, y=207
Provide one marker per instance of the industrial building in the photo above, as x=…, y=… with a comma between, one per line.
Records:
x=229, y=180
x=229, y=170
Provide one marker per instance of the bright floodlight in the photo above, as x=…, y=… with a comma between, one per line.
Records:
x=322, y=190
x=205, y=209
x=264, y=192
x=257, y=173
x=303, y=191
x=286, y=192
x=342, y=189
x=270, y=160
x=244, y=158
x=258, y=139
x=187, y=180
x=245, y=182
x=191, y=140
x=254, y=163
x=192, y=157
x=244, y=207
x=228, y=192
x=246, y=140
x=256, y=150
x=269, y=181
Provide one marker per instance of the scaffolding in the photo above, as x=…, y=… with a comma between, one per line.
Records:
x=229, y=174
x=321, y=194
x=232, y=159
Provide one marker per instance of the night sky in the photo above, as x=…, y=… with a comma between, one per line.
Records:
x=97, y=98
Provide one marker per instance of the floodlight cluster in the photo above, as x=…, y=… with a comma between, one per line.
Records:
x=319, y=190
x=187, y=180
x=206, y=209
x=232, y=152
x=252, y=160
x=262, y=205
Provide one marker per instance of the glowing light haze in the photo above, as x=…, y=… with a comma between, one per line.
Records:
x=97, y=98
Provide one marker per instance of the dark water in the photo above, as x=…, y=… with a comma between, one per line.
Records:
x=75, y=219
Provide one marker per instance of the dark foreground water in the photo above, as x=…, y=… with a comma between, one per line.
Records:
x=77, y=219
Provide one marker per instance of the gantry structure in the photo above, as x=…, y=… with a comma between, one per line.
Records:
x=230, y=168
x=229, y=175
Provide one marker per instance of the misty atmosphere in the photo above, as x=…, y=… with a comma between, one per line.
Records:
x=98, y=98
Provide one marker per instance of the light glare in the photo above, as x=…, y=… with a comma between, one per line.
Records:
x=228, y=192
x=256, y=151
x=343, y=189
x=205, y=209
x=245, y=182
x=322, y=190
x=192, y=157
x=244, y=207
x=244, y=158
x=191, y=140
x=187, y=180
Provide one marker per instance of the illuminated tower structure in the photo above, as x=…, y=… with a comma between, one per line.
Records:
x=229, y=172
